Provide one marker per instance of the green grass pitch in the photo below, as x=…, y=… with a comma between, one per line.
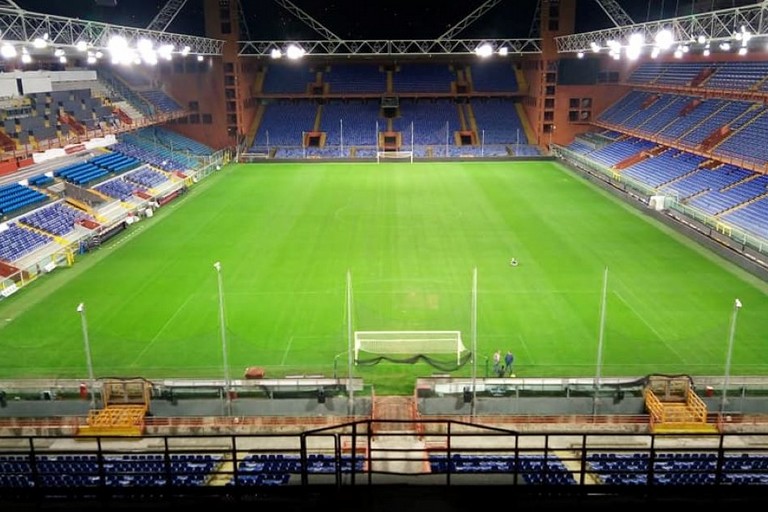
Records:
x=410, y=235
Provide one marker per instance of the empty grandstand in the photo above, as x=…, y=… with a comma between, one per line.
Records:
x=202, y=212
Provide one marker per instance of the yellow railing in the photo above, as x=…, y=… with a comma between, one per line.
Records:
x=696, y=407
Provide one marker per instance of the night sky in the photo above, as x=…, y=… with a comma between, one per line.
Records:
x=371, y=19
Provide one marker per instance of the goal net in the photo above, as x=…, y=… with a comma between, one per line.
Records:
x=412, y=344
x=394, y=156
x=394, y=321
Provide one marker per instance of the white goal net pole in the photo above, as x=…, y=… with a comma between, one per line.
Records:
x=473, y=321
x=376, y=134
x=350, y=352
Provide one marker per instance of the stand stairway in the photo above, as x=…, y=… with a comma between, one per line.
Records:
x=674, y=407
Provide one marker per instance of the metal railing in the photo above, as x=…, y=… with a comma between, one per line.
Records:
x=362, y=453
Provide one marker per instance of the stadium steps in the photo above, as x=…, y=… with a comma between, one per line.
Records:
x=686, y=200
x=527, y=128
x=223, y=474
x=80, y=205
x=122, y=420
x=472, y=121
x=522, y=84
x=686, y=428
x=678, y=178
x=749, y=111
x=462, y=117
x=568, y=460
x=318, y=120
x=740, y=182
x=251, y=135
x=742, y=205
x=674, y=407
x=714, y=114
x=58, y=239
x=394, y=414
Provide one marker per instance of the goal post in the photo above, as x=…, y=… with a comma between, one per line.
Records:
x=409, y=343
x=394, y=156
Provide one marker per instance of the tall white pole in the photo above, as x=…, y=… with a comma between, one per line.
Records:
x=473, y=321
x=350, y=349
x=267, y=142
x=412, y=139
x=447, y=128
x=482, y=143
x=222, y=324
x=551, y=131
x=517, y=143
x=304, y=144
x=341, y=139
x=727, y=380
x=376, y=134
x=87, y=345
x=599, y=366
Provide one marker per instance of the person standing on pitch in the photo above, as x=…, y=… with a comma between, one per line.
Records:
x=496, y=362
x=508, y=360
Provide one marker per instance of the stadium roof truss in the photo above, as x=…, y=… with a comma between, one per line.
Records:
x=704, y=28
x=24, y=27
x=334, y=45
x=166, y=15
x=371, y=47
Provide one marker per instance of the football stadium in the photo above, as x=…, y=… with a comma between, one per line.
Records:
x=294, y=255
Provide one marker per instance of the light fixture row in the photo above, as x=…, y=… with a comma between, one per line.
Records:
x=664, y=40
x=118, y=48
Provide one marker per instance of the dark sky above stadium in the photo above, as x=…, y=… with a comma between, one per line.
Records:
x=372, y=19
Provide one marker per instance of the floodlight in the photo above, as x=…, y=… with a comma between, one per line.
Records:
x=484, y=50
x=294, y=52
x=165, y=51
x=275, y=53
x=503, y=51
x=8, y=51
x=664, y=39
x=595, y=47
x=81, y=46
x=580, y=55
x=144, y=45
x=200, y=58
x=26, y=58
x=635, y=46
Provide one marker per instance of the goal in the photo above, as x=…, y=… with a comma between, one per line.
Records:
x=394, y=156
x=409, y=343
